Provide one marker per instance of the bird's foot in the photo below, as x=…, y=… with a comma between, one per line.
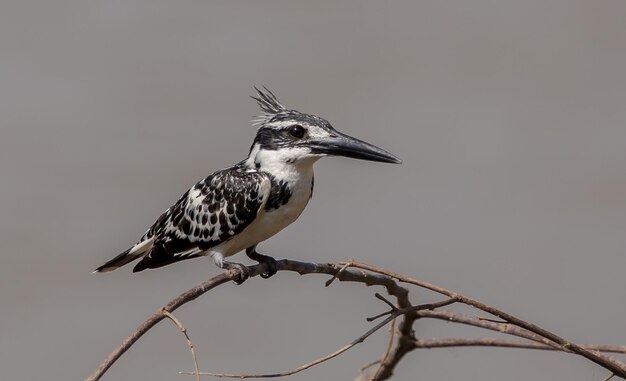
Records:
x=266, y=259
x=243, y=273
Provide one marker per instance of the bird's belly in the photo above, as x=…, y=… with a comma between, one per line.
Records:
x=267, y=224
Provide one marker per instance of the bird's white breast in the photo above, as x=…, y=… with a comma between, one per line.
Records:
x=269, y=222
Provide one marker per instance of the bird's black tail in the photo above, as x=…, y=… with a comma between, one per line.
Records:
x=139, y=250
x=119, y=261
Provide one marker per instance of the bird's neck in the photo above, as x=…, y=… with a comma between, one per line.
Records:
x=280, y=166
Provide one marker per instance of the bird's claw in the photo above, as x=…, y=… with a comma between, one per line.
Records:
x=272, y=268
x=263, y=259
x=241, y=275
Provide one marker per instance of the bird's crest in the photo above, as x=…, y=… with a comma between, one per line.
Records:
x=268, y=103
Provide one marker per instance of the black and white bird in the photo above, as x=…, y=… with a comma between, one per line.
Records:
x=236, y=208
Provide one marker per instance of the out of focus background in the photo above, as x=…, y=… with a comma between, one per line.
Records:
x=510, y=118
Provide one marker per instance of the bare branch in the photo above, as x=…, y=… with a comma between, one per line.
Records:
x=390, y=304
x=405, y=341
x=408, y=310
x=157, y=317
x=615, y=366
x=456, y=317
x=349, y=275
x=189, y=342
x=502, y=343
x=282, y=374
x=392, y=327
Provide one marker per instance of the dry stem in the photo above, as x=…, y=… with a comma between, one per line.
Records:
x=192, y=349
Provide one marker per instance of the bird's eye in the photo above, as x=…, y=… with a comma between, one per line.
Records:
x=297, y=131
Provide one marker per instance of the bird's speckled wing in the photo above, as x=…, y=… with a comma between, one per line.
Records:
x=211, y=212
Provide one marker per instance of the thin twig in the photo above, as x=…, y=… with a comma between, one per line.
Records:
x=331, y=280
x=509, y=329
x=282, y=374
x=392, y=327
x=420, y=307
x=299, y=369
x=498, y=321
x=503, y=343
x=387, y=301
x=367, y=366
x=183, y=329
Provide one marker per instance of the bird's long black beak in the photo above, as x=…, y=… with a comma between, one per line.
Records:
x=339, y=144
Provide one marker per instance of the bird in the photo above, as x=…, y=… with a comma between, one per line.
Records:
x=236, y=208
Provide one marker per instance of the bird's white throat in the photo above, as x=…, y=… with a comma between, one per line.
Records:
x=293, y=165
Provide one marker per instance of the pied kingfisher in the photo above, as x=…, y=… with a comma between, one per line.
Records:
x=238, y=207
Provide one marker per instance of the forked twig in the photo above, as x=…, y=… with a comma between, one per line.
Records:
x=183, y=329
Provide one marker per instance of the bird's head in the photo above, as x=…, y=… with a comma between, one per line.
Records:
x=291, y=136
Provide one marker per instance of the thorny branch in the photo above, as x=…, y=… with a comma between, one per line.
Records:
x=401, y=341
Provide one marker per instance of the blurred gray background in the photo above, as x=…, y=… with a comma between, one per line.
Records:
x=509, y=117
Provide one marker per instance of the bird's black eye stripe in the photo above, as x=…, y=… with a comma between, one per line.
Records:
x=297, y=131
